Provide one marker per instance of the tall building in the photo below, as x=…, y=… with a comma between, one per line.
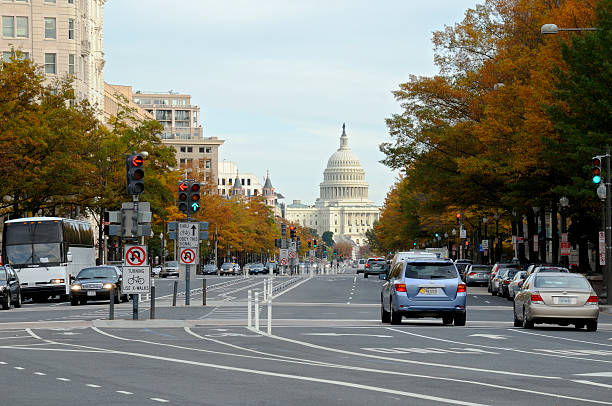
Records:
x=229, y=175
x=197, y=156
x=343, y=206
x=63, y=36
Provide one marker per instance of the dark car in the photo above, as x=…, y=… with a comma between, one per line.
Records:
x=257, y=268
x=210, y=269
x=10, y=288
x=374, y=266
x=96, y=283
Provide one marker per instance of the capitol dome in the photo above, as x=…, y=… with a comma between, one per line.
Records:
x=344, y=178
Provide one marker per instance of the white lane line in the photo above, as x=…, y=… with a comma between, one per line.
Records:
x=10, y=338
x=560, y=338
x=91, y=385
x=63, y=379
x=603, y=385
x=2, y=363
x=599, y=374
x=355, y=279
x=295, y=377
x=124, y=392
x=160, y=400
x=499, y=348
x=40, y=373
x=19, y=368
x=291, y=288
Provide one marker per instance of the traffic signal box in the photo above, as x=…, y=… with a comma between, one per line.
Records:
x=188, y=197
x=309, y=244
x=596, y=170
x=283, y=230
x=135, y=174
x=292, y=232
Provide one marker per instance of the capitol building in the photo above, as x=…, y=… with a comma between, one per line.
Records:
x=343, y=206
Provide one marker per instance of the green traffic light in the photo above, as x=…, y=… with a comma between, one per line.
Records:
x=195, y=206
x=596, y=179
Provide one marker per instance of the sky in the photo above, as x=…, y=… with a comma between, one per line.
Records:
x=276, y=79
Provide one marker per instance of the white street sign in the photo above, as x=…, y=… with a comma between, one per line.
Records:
x=188, y=235
x=135, y=255
x=602, y=248
x=283, y=253
x=188, y=256
x=136, y=279
x=485, y=244
x=463, y=233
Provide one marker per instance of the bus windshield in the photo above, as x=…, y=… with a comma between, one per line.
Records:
x=33, y=254
x=33, y=242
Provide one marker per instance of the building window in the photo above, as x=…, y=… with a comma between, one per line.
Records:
x=182, y=161
x=208, y=164
x=189, y=149
x=201, y=150
x=71, y=28
x=242, y=181
x=50, y=25
x=229, y=181
x=182, y=149
x=163, y=115
x=181, y=118
x=223, y=181
x=249, y=182
x=50, y=63
x=71, y=64
x=70, y=1
x=6, y=55
x=8, y=26
x=208, y=150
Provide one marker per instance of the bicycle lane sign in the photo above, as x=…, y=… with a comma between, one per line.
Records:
x=136, y=279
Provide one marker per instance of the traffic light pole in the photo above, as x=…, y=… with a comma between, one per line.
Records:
x=608, y=274
x=135, y=297
x=188, y=274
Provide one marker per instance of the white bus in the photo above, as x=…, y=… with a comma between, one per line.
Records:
x=46, y=252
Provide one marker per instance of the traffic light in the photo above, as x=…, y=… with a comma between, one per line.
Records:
x=414, y=244
x=194, y=197
x=596, y=170
x=467, y=243
x=458, y=215
x=309, y=244
x=314, y=243
x=135, y=174
x=183, y=197
x=283, y=229
x=292, y=232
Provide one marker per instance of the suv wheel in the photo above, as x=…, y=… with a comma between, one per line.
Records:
x=7, y=302
x=460, y=319
x=385, y=316
x=365, y=275
x=396, y=318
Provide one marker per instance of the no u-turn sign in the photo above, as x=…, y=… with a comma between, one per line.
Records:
x=188, y=256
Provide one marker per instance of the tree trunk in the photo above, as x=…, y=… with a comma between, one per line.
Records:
x=531, y=231
x=554, y=231
x=521, y=233
x=542, y=240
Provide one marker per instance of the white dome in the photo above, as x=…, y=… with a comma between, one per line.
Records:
x=344, y=178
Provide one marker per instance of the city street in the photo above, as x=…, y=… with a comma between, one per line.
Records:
x=327, y=346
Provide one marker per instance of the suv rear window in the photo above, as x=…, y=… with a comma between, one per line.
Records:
x=428, y=270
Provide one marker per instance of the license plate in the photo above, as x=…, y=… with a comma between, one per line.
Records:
x=480, y=275
x=91, y=293
x=565, y=300
x=428, y=291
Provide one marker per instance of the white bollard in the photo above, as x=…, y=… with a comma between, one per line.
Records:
x=249, y=320
x=270, y=289
x=256, y=311
x=270, y=317
x=265, y=291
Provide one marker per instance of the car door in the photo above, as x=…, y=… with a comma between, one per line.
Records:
x=386, y=289
x=12, y=282
x=521, y=297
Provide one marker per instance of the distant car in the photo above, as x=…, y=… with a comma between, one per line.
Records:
x=556, y=298
x=95, y=283
x=272, y=264
x=546, y=268
x=210, y=269
x=505, y=279
x=237, y=268
x=361, y=265
x=171, y=269
x=493, y=285
x=462, y=265
x=375, y=267
x=424, y=288
x=477, y=274
x=155, y=271
x=10, y=287
x=515, y=284
x=257, y=268
x=227, y=268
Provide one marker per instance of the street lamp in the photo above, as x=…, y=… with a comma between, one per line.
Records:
x=548, y=29
x=564, y=202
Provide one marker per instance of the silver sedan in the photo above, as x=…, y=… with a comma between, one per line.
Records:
x=556, y=298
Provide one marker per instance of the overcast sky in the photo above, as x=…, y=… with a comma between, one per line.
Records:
x=277, y=78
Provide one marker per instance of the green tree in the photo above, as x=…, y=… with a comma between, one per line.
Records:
x=328, y=238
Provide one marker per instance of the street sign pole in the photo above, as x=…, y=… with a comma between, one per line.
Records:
x=188, y=273
x=135, y=298
x=608, y=273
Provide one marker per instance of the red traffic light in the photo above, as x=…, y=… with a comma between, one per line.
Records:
x=182, y=186
x=458, y=215
x=195, y=187
x=182, y=197
x=137, y=160
x=596, y=162
x=291, y=228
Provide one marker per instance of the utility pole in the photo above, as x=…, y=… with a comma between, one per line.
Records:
x=608, y=274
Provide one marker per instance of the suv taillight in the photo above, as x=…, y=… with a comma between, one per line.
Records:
x=460, y=288
x=367, y=265
x=472, y=273
x=400, y=287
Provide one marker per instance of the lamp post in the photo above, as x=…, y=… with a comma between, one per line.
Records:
x=563, y=204
x=551, y=29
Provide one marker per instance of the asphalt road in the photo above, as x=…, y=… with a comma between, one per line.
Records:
x=327, y=347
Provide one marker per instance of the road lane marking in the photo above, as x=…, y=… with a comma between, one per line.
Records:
x=2, y=363
x=91, y=385
x=159, y=400
x=598, y=374
x=346, y=334
x=40, y=373
x=300, y=378
x=603, y=385
x=498, y=348
x=19, y=368
x=491, y=336
x=291, y=288
x=560, y=338
x=124, y=392
x=63, y=379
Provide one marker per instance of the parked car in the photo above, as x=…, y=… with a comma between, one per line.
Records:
x=556, y=298
x=227, y=268
x=171, y=269
x=493, y=285
x=10, y=287
x=515, y=284
x=237, y=269
x=96, y=283
x=257, y=269
x=462, y=265
x=424, y=288
x=477, y=274
x=210, y=269
x=505, y=277
x=361, y=265
x=546, y=268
